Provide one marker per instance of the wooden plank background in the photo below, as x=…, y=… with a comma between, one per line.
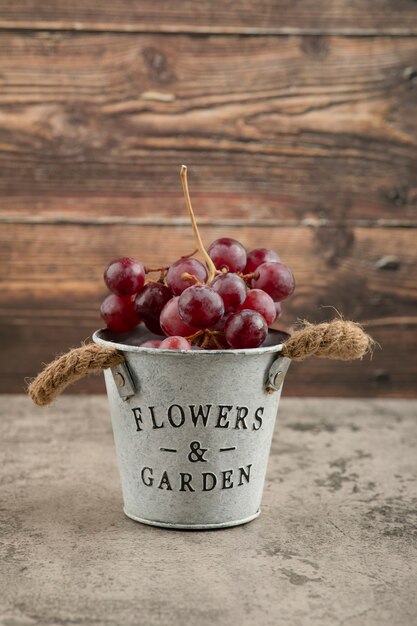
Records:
x=297, y=121
x=362, y=17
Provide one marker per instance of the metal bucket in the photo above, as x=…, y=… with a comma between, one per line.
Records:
x=193, y=429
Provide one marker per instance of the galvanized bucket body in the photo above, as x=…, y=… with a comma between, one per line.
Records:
x=193, y=430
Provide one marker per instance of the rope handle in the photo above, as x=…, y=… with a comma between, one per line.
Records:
x=338, y=339
x=69, y=368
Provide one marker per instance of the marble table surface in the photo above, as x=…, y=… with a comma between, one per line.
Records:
x=335, y=544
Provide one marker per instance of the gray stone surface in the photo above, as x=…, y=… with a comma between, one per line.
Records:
x=335, y=543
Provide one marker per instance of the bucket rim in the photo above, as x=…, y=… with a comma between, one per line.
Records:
x=123, y=347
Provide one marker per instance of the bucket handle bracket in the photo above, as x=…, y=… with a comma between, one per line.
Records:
x=123, y=381
x=276, y=374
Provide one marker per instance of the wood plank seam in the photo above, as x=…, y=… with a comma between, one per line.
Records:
x=180, y=221
x=17, y=27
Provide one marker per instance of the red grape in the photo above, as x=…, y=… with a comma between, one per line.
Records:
x=151, y=343
x=125, y=276
x=222, y=321
x=245, y=329
x=175, y=343
x=171, y=322
x=119, y=313
x=200, y=306
x=278, y=309
x=149, y=303
x=152, y=324
x=258, y=300
x=190, y=266
x=231, y=288
x=258, y=256
x=274, y=278
x=151, y=300
x=228, y=253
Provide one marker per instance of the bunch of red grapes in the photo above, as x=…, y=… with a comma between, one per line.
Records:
x=232, y=310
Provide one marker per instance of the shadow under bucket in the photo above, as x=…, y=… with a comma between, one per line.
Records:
x=193, y=429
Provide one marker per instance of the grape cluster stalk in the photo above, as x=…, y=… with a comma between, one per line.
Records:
x=227, y=301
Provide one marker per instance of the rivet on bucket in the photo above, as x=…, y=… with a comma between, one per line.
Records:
x=123, y=380
x=277, y=373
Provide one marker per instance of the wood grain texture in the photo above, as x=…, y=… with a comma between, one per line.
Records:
x=208, y=16
x=287, y=128
x=52, y=286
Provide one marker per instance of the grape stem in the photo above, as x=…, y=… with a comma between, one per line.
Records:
x=192, y=338
x=155, y=269
x=217, y=343
x=187, y=276
x=188, y=256
x=249, y=276
x=205, y=336
x=210, y=265
x=210, y=335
